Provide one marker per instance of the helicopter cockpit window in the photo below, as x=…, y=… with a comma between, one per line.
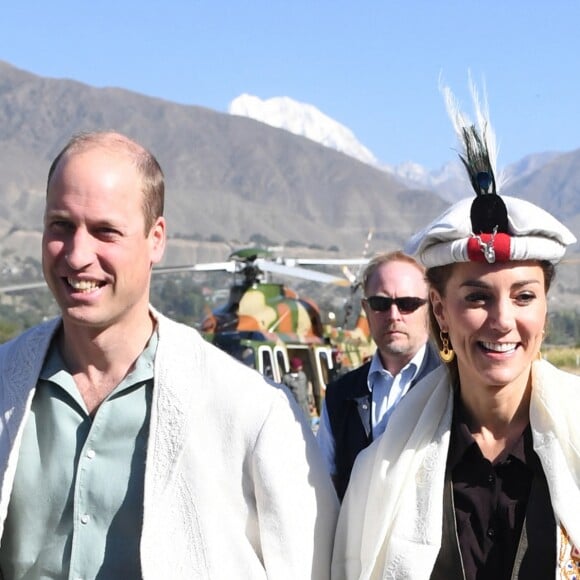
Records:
x=266, y=363
x=282, y=359
x=325, y=366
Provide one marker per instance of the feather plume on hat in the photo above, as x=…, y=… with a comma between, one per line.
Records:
x=490, y=228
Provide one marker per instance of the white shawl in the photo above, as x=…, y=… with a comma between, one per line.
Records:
x=390, y=523
x=235, y=486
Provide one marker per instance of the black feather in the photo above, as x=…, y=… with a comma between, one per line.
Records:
x=488, y=210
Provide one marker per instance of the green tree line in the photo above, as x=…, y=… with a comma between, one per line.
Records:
x=189, y=302
x=563, y=328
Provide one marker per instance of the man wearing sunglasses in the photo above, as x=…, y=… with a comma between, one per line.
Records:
x=358, y=405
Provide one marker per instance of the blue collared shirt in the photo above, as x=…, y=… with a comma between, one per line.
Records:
x=76, y=508
x=386, y=392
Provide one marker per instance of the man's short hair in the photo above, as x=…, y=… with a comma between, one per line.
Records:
x=386, y=258
x=152, y=179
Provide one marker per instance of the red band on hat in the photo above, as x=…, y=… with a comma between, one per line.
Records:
x=499, y=242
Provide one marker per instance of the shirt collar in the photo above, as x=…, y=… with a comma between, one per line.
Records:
x=408, y=372
x=54, y=368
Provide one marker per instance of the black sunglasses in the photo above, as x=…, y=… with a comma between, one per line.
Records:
x=405, y=304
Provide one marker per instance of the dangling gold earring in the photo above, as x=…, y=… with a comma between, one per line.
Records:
x=446, y=354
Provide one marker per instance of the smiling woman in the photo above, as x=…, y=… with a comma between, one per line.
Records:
x=478, y=472
x=475, y=293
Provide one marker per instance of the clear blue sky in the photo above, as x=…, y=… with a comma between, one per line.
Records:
x=371, y=65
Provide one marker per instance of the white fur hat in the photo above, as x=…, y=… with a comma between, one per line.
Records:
x=490, y=227
x=532, y=234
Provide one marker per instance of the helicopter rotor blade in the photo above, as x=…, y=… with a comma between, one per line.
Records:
x=325, y=262
x=344, y=262
x=229, y=266
x=23, y=286
x=297, y=272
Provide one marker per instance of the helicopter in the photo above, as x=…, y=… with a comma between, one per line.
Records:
x=264, y=324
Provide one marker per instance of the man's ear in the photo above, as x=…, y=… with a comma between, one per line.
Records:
x=364, y=306
x=158, y=238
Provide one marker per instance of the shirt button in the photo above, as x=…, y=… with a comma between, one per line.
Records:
x=491, y=479
x=91, y=453
x=491, y=533
x=365, y=406
x=85, y=519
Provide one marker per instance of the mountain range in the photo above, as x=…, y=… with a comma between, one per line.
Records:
x=231, y=178
x=306, y=120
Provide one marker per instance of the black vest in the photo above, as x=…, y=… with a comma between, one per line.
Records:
x=348, y=403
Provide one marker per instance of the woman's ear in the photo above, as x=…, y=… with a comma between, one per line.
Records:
x=438, y=308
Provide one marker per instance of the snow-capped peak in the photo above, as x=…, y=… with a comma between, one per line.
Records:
x=302, y=119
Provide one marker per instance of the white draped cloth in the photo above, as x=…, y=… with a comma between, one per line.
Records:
x=390, y=524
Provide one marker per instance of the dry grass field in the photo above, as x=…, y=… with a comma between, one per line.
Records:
x=566, y=358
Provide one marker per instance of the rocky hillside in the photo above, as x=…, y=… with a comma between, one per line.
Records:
x=226, y=176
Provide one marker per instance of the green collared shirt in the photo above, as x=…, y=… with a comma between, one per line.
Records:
x=76, y=508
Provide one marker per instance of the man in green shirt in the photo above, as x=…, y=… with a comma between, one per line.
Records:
x=130, y=447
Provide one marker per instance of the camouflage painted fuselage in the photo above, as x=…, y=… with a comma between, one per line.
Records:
x=271, y=309
x=264, y=324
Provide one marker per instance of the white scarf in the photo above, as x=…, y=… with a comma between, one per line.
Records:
x=390, y=523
